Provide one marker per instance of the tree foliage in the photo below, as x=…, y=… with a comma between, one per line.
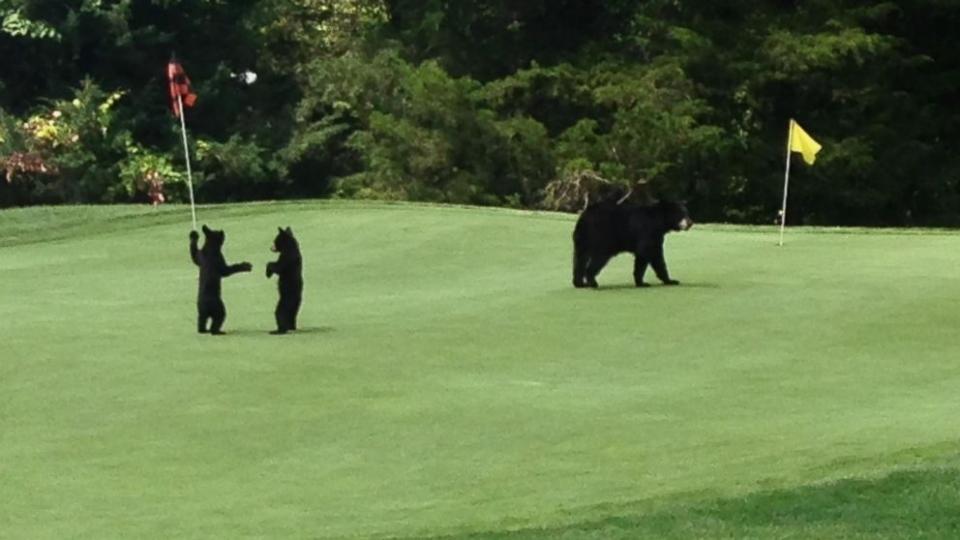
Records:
x=531, y=104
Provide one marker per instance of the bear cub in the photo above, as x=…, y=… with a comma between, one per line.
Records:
x=607, y=228
x=213, y=268
x=289, y=270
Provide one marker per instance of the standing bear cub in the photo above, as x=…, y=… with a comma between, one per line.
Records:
x=607, y=228
x=213, y=268
x=289, y=270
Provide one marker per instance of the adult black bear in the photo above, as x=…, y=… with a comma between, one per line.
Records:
x=289, y=269
x=607, y=228
x=213, y=267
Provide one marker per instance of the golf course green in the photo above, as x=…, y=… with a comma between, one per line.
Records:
x=448, y=381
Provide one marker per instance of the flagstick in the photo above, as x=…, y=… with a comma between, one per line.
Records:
x=186, y=155
x=786, y=182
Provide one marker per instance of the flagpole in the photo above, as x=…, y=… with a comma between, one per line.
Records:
x=786, y=182
x=186, y=155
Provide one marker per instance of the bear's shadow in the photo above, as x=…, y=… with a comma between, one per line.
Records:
x=246, y=332
x=683, y=285
x=314, y=330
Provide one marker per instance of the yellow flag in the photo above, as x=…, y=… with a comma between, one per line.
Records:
x=803, y=143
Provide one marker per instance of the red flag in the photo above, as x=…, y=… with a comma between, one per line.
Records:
x=179, y=86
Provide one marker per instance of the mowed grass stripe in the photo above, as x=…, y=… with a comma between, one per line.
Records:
x=449, y=379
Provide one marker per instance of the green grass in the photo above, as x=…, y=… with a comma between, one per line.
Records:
x=449, y=381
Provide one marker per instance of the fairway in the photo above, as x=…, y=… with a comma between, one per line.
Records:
x=448, y=380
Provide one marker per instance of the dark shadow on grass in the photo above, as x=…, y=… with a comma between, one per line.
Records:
x=921, y=503
x=683, y=285
x=239, y=332
x=698, y=285
x=315, y=330
x=247, y=332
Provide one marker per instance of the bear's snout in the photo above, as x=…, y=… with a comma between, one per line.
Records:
x=273, y=248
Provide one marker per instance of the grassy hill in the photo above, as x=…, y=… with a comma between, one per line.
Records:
x=449, y=381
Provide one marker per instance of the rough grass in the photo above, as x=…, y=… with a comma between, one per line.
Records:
x=449, y=381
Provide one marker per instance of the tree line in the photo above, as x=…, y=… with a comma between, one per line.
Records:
x=534, y=104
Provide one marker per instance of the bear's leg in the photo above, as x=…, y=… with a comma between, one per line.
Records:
x=639, y=269
x=280, y=314
x=660, y=265
x=580, y=260
x=218, y=313
x=202, y=315
x=594, y=266
x=286, y=314
x=294, y=309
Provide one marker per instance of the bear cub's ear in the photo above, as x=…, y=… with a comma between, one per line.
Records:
x=206, y=230
x=289, y=230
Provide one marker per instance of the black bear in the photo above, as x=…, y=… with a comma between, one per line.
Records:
x=607, y=228
x=289, y=270
x=213, y=267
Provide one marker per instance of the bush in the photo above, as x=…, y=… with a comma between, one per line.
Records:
x=431, y=138
x=235, y=170
x=67, y=151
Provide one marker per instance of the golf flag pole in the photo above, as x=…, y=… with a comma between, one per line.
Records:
x=181, y=94
x=186, y=156
x=786, y=182
x=800, y=141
